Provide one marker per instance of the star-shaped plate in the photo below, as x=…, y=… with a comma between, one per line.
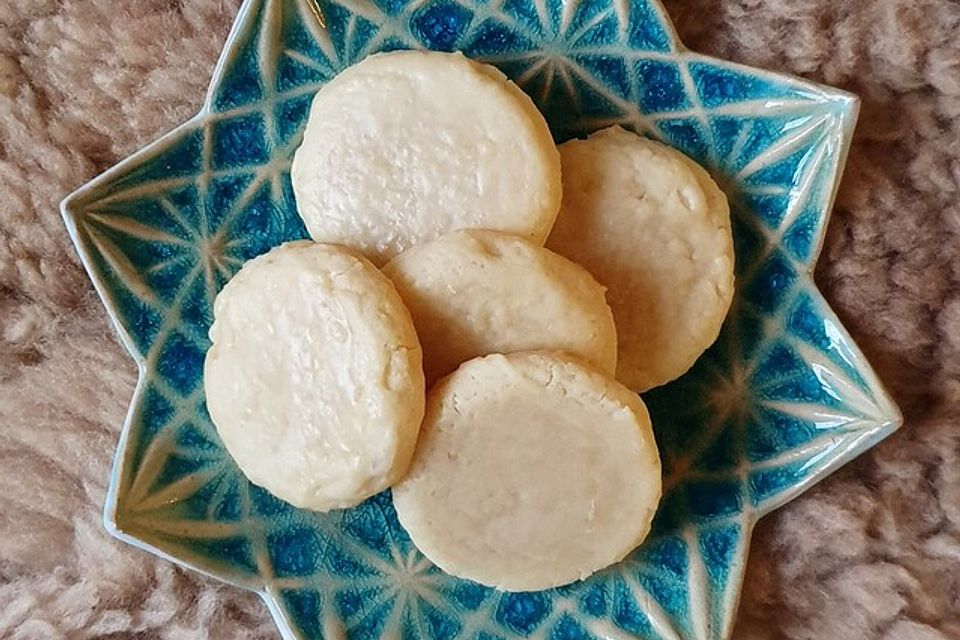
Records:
x=783, y=398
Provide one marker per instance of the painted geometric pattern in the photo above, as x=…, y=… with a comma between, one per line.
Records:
x=782, y=398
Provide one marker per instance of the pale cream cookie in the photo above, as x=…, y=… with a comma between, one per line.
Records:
x=476, y=292
x=533, y=470
x=405, y=146
x=654, y=228
x=314, y=379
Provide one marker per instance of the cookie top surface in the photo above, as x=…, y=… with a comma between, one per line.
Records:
x=405, y=146
x=654, y=228
x=533, y=470
x=314, y=378
x=476, y=292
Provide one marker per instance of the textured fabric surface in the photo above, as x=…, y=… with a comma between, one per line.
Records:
x=872, y=553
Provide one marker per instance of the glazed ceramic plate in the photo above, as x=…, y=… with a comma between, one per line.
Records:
x=782, y=399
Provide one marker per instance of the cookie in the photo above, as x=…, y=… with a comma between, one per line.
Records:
x=476, y=292
x=408, y=145
x=314, y=379
x=533, y=470
x=654, y=228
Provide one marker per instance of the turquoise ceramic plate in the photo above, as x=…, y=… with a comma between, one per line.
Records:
x=781, y=400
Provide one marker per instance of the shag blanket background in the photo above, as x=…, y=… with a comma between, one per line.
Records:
x=872, y=553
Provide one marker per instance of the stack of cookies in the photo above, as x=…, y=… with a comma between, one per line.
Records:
x=470, y=325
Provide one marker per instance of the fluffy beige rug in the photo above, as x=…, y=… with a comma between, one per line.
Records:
x=873, y=553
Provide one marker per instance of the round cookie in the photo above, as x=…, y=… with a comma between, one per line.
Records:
x=476, y=292
x=314, y=378
x=654, y=228
x=533, y=470
x=408, y=145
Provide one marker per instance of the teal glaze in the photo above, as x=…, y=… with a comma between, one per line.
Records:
x=782, y=399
